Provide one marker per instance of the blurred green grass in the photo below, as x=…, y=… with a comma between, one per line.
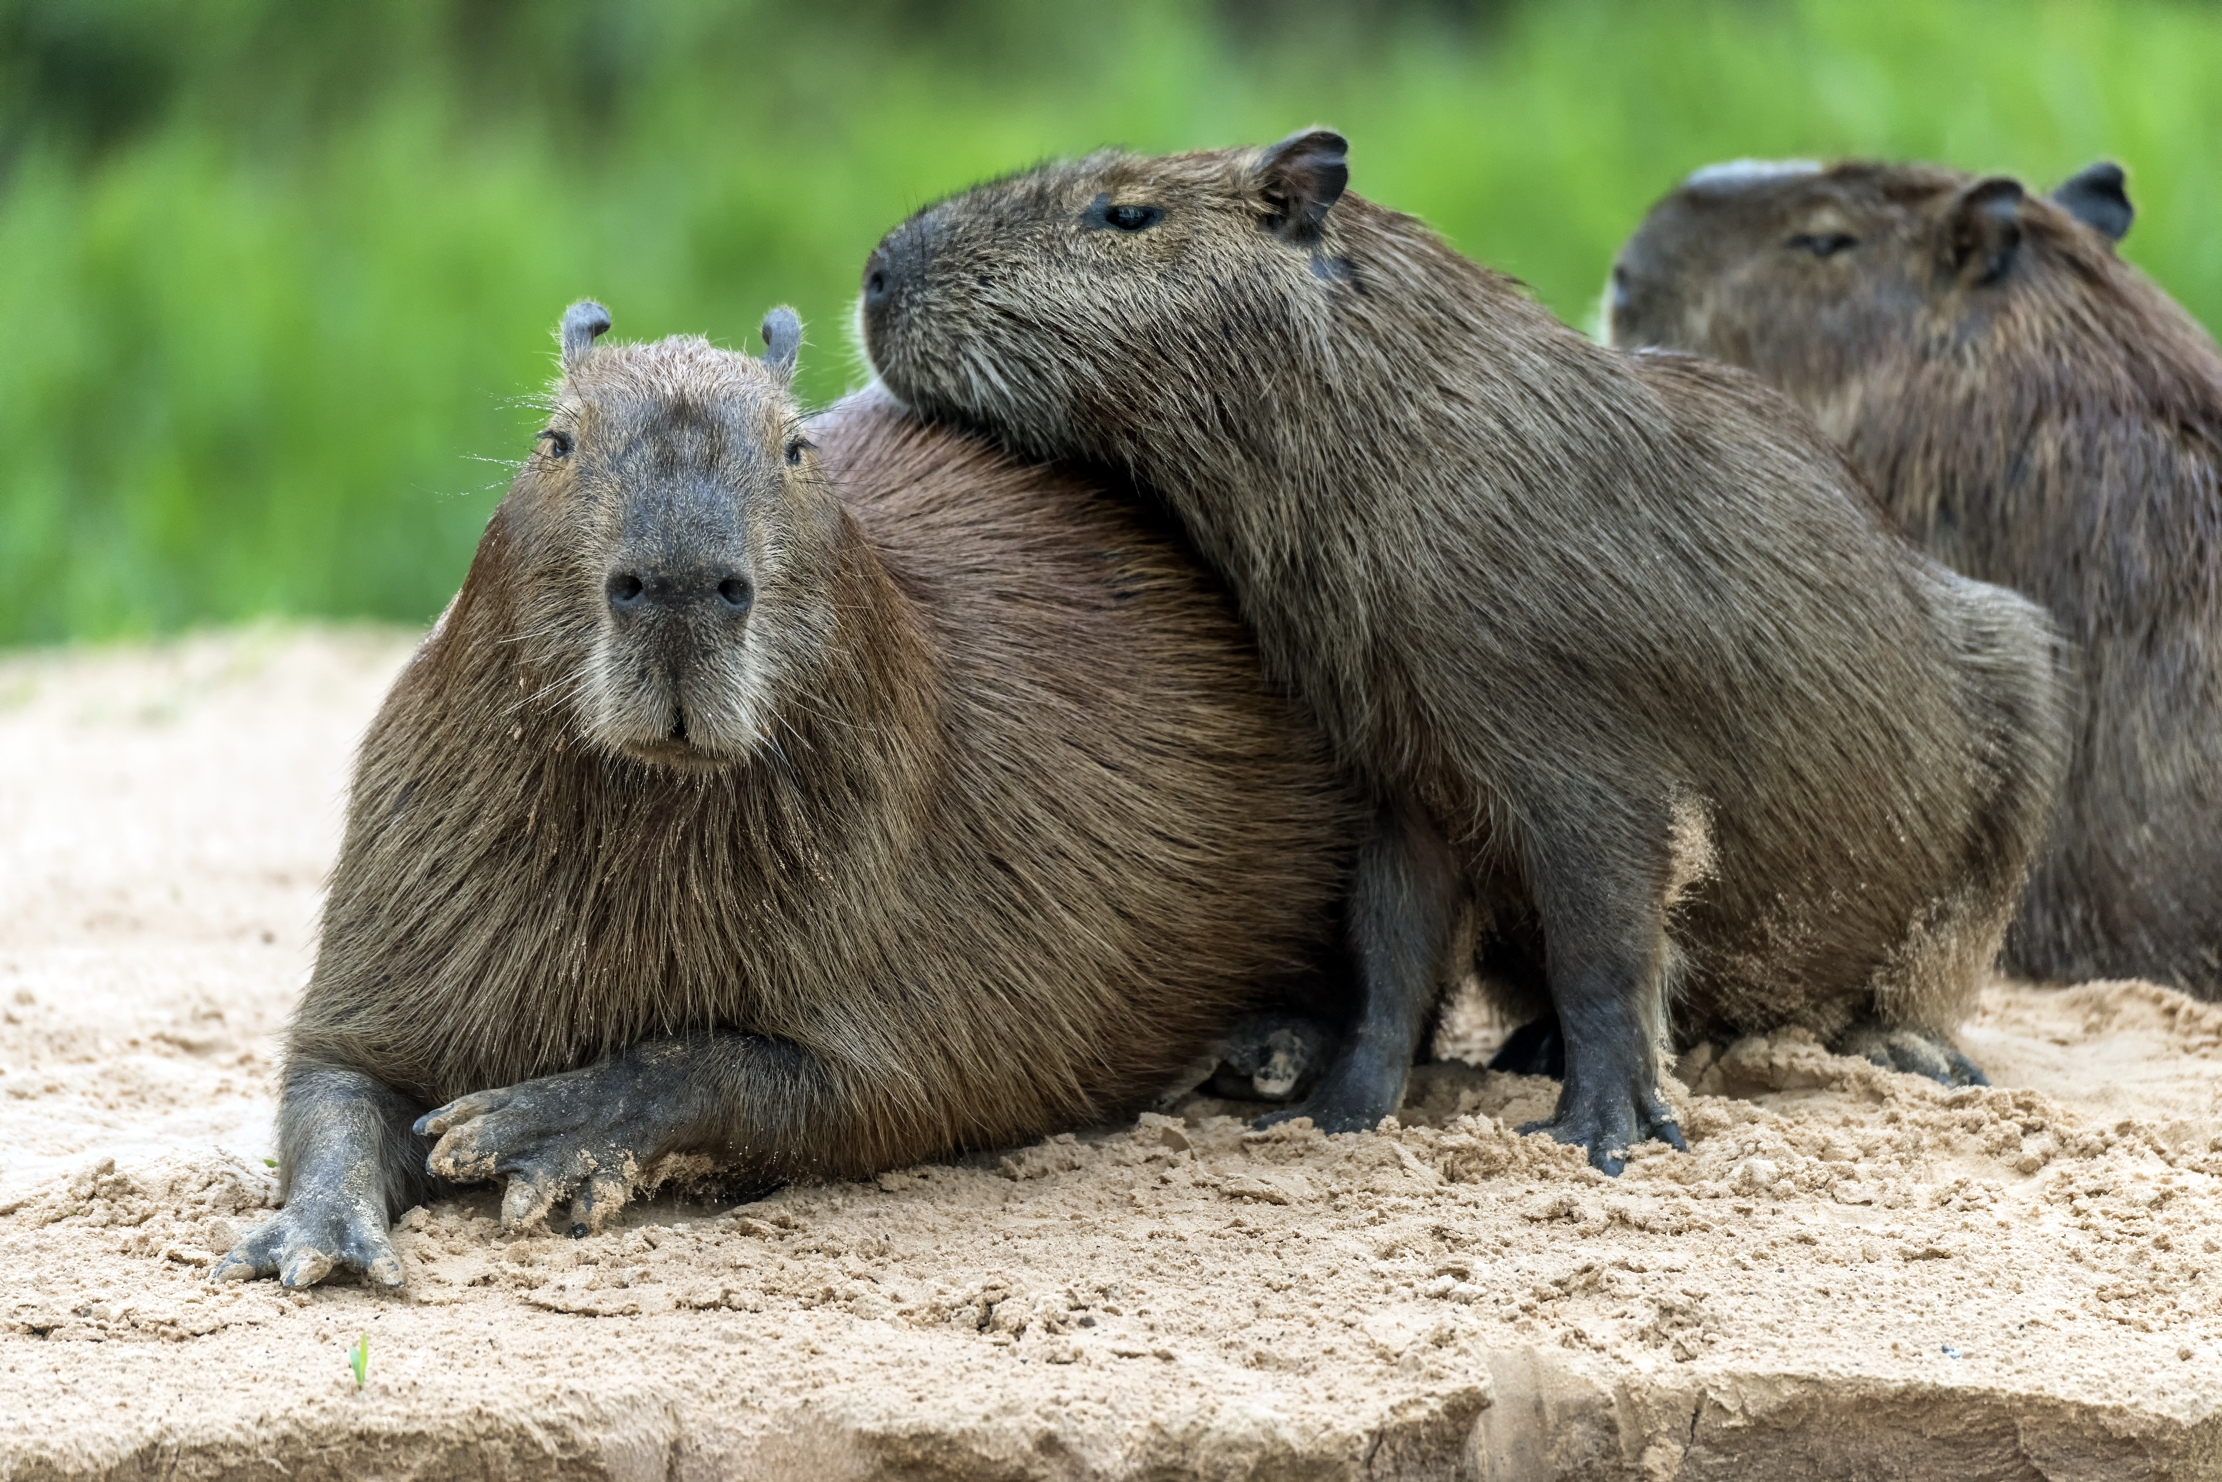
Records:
x=279, y=280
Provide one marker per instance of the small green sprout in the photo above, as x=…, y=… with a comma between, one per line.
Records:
x=358, y=1359
x=270, y=1162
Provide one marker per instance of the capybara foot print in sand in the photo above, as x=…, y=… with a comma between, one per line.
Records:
x=1912, y=1051
x=584, y=1137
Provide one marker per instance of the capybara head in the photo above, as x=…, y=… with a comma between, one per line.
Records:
x=1018, y=304
x=669, y=543
x=1822, y=279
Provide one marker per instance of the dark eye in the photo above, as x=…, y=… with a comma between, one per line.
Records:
x=796, y=447
x=1133, y=218
x=1122, y=218
x=1822, y=244
x=559, y=443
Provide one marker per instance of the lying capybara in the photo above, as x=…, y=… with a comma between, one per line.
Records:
x=1619, y=644
x=2039, y=414
x=796, y=798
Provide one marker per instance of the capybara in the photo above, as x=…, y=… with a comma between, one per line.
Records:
x=1624, y=654
x=795, y=798
x=2038, y=414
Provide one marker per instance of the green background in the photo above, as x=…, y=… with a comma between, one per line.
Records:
x=277, y=279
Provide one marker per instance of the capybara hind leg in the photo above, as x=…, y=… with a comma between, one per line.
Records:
x=587, y=1139
x=1912, y=1051
x=349, y=1164
x=1404, y=899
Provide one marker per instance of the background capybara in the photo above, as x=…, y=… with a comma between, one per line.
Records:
x=811, y=809
x=1620, y=645
x=2037, y=413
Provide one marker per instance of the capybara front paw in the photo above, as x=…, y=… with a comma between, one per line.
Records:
x=1607, y=1121
x=314, y=1235
x=1912, y=1052
x=560, y=1138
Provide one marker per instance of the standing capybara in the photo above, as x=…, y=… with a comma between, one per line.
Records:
x=1620, y=645
x=800, y=798
x=2037, y=414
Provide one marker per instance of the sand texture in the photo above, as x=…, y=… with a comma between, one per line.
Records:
x=1855, y=1274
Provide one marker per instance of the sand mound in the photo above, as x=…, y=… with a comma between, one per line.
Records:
x=1854, y=1274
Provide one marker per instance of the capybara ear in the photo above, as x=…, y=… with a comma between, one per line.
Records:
x=1982, y=231
x=2097, y=196
x=1302, y=177
x=782, y=340
x=583, y=323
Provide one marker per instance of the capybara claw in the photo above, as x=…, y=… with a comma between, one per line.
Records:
x=528, y=1198
x=234, y=1268
x=436, y=1122
x=304, y=1268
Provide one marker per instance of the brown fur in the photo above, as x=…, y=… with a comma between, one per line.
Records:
x=2036, y=413
x=1626, y=631
x=985, y=828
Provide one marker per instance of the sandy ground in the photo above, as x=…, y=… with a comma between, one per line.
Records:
x=1854, y=1275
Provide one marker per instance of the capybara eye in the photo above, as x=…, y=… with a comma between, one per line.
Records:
x=1822, y=244
x=1133, y=218
x=559, y=443
x=796, y=447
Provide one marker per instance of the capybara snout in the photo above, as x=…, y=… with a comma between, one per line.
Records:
x=971, y=314
x=675, y=530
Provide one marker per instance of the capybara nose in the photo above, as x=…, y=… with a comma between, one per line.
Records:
x=879, y=295
x=727, y=592
x=892, y=265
